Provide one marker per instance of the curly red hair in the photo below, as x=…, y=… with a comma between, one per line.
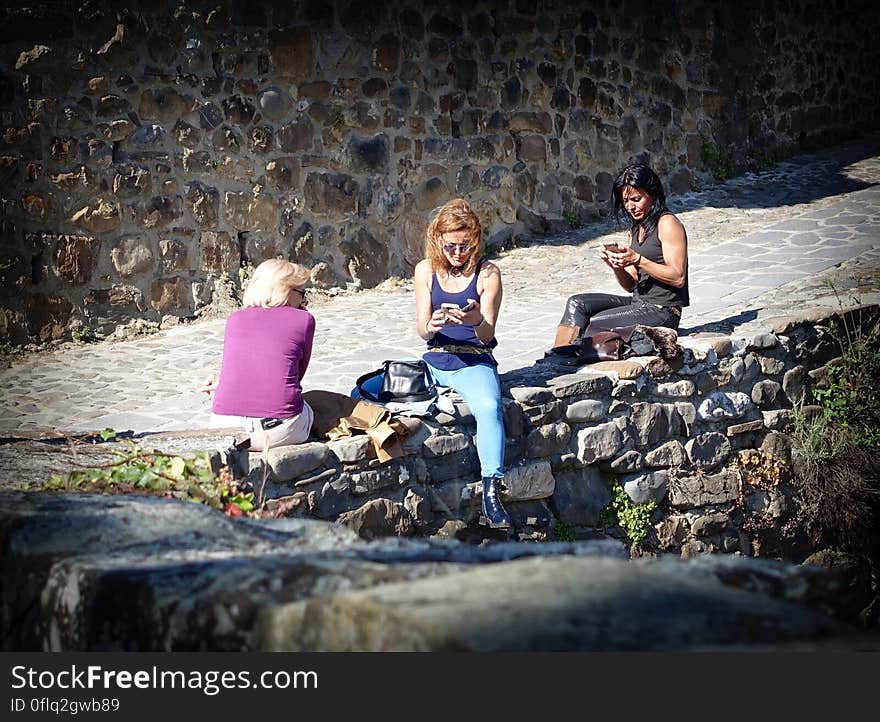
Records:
x=456, y=215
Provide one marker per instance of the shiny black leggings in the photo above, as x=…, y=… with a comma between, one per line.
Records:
x=592, y=312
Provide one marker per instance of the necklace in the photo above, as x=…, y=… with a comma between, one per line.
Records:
x=454, y=271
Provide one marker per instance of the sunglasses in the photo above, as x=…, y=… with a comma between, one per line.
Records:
x=453, y=247
x=302, y=293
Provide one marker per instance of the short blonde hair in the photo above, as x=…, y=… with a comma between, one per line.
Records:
x=456, y=215
x=272, y=282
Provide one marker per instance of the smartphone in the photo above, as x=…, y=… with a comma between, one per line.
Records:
x=613, y=247
x=467, y=307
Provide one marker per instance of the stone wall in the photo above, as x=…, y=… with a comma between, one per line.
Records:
x=147, y=150
x=672, y=436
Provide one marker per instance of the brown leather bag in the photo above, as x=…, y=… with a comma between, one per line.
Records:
x=601, y=346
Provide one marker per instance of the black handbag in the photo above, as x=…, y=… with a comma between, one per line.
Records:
x=402, y=382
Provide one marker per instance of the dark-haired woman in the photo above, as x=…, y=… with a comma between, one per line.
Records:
x=654, y=267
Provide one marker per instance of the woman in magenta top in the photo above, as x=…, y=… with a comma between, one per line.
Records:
x=266, y=351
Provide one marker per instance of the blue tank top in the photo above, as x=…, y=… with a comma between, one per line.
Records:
x=456, y=334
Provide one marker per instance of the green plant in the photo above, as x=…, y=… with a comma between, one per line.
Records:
x=563, y=531
x=338, y=122
x=82, y=335
x=836, y=445
x=850, y=398
x=763, y=158
x=573, y=218
x=6, y=348
x=135, y=469
x=718, y=162
x=634, y=519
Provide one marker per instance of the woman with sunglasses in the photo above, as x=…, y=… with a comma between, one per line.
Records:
x=461, y=337
x=266, y=350
x=653, y=266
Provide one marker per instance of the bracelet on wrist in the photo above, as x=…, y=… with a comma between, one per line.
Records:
x=430, y=333
x=639, y=262
x=482, y=321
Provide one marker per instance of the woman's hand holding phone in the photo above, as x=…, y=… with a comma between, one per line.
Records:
x=462, y=314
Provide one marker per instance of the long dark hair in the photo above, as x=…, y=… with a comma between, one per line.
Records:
x=641, y=177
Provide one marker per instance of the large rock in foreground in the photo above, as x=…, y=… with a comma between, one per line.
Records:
x=89, y=572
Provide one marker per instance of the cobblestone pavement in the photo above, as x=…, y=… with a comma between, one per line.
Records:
x=761, y=245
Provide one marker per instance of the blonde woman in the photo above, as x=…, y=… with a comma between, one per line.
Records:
x=266, y=350
x=461, y=336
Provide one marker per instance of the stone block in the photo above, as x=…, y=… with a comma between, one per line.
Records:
x=709, y=524
x=378, y=518
x=762, y=341
x=246, y=212
x=676, y=389
x=709, y=450
x=547, y=440
x=203, y=203
x=628, y=461
x=745, y=428
x=289, y=463
x=102, y=216
x=778, y=419
x=586, y=410
x=132, y=256
x=164, y=104
x=530, y=480
x=545, y=413
x=463, y=464
x=722, y=405
x=368, y=155
x=132, y=180
x=331, y=194
x=625, y=369
x=598, y=442
x=793, y=384
x=771, y=366
x=75, y=257
x=672, y=453
x=644, y=486
x=444, y=444
x=219, y=253
x=654, y=422
x=580, y=384
x=700, y=489
x=351, y=450
x=672, y=531
x=531, y=395
x=292, y=51
x=580, y=496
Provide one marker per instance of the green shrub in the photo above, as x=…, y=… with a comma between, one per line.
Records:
x=850, y=399
x=138, y=470
x=563, y=532
x=836, y=449
x=718, y=162
x=635, y=519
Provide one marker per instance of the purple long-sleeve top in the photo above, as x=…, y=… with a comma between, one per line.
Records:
x=266, y=352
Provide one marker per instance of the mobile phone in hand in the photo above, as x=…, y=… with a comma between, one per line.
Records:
x=467, y=307
x=613, y=248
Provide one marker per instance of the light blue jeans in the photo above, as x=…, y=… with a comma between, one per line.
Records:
x=480, y=388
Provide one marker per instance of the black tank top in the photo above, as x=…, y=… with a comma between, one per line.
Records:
x=650, y=289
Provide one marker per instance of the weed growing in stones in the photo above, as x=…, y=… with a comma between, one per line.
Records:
x=135, y=469
x=836, y=445
x=635, y=519
x=717, y=161
x=563, y=532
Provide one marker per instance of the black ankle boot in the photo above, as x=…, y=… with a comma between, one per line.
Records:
x=493, y=513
